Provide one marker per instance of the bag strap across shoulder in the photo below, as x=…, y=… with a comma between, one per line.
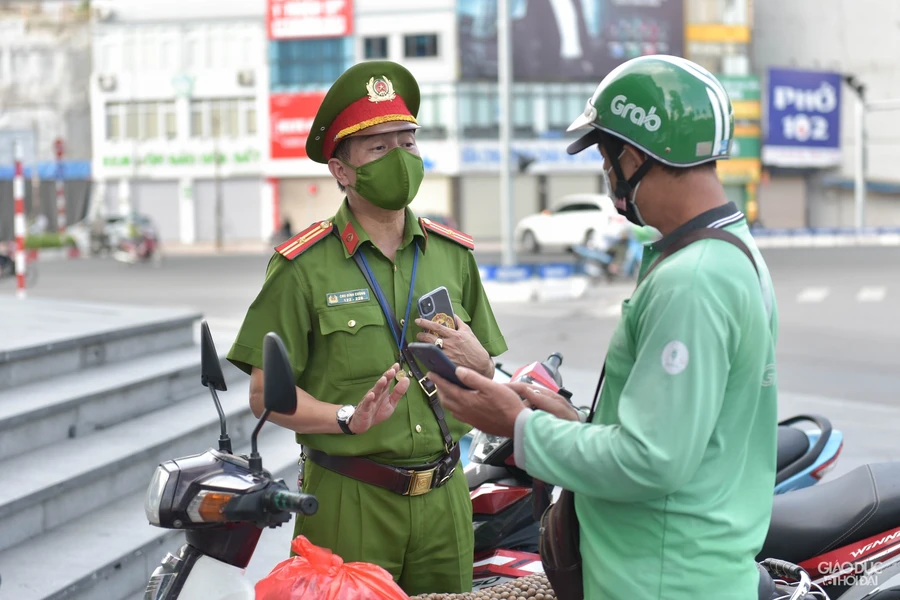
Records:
x=702, y=234
x=675, y=246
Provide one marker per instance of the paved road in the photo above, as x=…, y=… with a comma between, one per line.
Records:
x=839, y=338
x=838, y=350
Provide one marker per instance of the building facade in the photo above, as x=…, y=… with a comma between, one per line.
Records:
x=561, y=51
x=45, y=58
x=851, y=40
x=179, y=118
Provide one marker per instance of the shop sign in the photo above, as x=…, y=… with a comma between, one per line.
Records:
x=176, y=159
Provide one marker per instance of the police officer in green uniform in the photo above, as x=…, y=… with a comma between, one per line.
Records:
x=380, y=454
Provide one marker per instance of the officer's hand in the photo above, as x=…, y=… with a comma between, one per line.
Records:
x=490, y=407
x=543, y=399
x=460, y=345
x=379, y=403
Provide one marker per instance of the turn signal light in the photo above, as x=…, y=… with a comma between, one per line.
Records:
x=209, y=507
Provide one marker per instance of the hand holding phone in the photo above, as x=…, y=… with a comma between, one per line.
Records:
x=437, y=307
x=434, y=359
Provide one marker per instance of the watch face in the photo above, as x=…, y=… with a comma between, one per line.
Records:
x=345, y=412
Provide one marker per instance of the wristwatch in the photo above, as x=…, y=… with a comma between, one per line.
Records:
x=344, y=414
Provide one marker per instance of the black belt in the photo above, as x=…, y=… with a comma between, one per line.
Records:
x=406, y=481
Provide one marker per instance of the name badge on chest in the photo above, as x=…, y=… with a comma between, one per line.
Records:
x=348, y=297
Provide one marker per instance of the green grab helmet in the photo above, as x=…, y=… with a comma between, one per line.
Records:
x=671, y=108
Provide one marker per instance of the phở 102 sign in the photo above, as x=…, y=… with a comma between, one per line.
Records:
x=803, y=119
x=301, y=19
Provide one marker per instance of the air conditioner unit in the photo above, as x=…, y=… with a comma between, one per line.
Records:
x=246, y=78
x=107, y=82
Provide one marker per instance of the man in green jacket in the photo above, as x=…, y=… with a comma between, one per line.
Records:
x=673, y=477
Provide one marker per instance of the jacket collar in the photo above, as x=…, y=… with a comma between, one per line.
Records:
x=718, y=217
x=353, y=236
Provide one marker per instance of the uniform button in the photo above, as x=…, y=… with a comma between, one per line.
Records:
x=418, y=429
x=351, y=323
x=395, y=268
x=402, y=322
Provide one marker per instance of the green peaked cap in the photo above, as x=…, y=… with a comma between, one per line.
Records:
x=367, y=94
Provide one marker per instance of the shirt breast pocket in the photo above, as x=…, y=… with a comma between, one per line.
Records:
x=358, y=343
x=461, y=312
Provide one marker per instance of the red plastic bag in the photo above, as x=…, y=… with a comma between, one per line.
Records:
x=319, y=574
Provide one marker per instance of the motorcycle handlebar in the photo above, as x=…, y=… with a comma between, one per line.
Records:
x=783, y=569
x=306, y=504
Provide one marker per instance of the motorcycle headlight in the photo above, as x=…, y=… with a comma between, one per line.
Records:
x=483, y=445
x=155, y=493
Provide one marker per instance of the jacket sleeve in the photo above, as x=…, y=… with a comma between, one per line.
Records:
x=667, y=410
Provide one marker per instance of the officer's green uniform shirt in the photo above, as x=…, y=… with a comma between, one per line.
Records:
x=674, y=479
x=339, y=349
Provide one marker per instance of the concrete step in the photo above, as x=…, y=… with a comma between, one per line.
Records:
x=48, y=338
x=56, y=484
x=75, y=405
x=110, y=553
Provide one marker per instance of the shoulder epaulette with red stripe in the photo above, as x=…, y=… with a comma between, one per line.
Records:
x=304, y=240
x=459, y=237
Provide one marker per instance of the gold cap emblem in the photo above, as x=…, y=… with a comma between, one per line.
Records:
x=380, y=89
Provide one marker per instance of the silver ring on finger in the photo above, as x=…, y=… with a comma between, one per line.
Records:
x=439, y=343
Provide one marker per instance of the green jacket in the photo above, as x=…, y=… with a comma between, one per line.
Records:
x=674, y=477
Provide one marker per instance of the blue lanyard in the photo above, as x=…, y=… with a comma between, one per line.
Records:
x=385, y=308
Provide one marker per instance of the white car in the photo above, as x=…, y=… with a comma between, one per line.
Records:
x=574, y=220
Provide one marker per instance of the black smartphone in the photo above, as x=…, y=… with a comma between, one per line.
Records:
x=436, y=306
x=434, y=359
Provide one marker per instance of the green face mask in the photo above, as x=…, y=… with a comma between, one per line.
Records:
x=392, y=181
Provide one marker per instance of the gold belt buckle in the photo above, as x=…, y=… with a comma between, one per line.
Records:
x=422, y=385
x=420, y=482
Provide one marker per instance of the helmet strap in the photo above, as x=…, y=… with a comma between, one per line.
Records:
x=624, y=187
x=627, y=189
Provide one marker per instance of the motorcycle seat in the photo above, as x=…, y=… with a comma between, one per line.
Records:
x=809, y=522
x=792, y=445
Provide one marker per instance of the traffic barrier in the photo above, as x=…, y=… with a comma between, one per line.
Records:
x=533, y=283
x=19, y=221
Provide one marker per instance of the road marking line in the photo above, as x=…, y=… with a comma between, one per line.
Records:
x=812, y=295
x=871, y=294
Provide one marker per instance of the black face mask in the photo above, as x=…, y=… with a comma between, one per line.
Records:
x=626, y=189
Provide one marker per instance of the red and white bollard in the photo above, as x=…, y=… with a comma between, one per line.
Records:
x=19, y=222
x=60, y=189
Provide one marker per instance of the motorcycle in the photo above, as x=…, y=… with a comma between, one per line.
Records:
x=507, y=503
x=142, y=248
x=222, y=501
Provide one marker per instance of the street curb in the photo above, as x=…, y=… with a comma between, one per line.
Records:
x=55, y=254
x=824, y=238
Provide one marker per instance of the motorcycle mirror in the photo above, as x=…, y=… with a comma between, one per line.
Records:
x=211, y=377
x=279, y=391
x=279, y=388
x=210, y=369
